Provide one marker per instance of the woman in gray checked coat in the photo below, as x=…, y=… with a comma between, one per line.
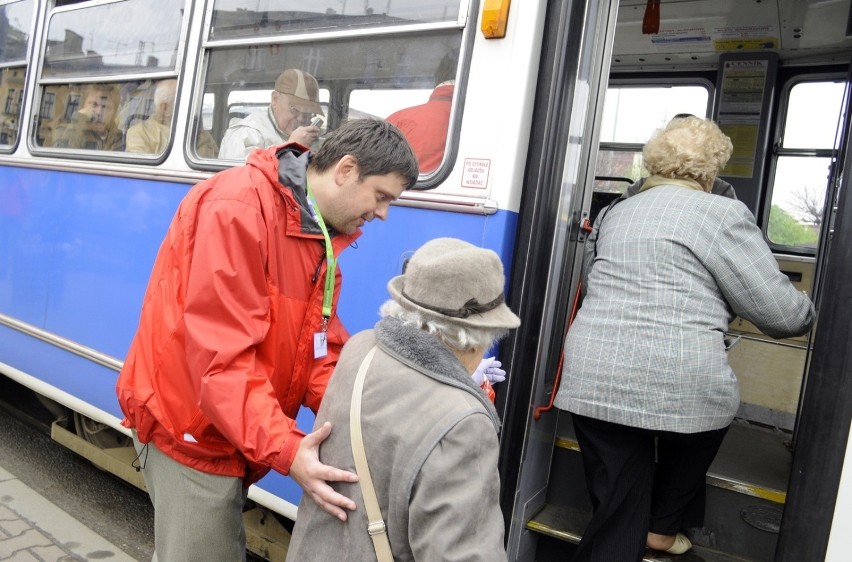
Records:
x=665, y=272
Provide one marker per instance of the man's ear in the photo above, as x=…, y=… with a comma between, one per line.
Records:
x=346, y=169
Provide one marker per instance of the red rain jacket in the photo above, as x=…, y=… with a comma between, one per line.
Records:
x=425, y=126
x=223, y=356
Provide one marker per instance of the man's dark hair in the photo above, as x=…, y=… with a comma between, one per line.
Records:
x=378, y=146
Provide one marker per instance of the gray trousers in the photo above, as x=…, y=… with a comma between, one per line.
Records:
x=197, y=516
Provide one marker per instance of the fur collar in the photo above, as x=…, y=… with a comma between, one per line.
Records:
x=425, y=353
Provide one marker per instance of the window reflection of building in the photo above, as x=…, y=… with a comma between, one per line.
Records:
x=68, y=56
x=47, y=105
x=10, y=101
x=71, y=107
x=11, y=88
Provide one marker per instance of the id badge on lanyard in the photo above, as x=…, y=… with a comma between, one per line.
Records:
x=320, y=345
x=321, y=337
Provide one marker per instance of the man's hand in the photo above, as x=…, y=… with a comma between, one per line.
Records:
x=306, y=136
x=313, y=476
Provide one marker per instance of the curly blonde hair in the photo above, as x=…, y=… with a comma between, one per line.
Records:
x=688, y=147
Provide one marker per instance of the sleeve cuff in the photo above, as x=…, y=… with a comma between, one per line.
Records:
x=288, y=451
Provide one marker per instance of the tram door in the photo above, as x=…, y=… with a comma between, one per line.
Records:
x=774, y=76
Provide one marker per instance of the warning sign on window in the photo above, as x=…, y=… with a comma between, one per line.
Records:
x=475, y=173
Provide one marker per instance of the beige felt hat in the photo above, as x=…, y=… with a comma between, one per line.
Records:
x=457, y=282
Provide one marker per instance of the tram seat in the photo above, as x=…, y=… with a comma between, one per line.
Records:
x=603, y=197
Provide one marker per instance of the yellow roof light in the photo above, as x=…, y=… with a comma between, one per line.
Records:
x=495, y=15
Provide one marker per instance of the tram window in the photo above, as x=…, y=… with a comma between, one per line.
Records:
x=82, y=116
x=381, y=103
x=232, y=19
x=354, y=75
x=110, y=88
x=631, y=115
x=15, y=25
x=802, y=163
x=129, y=37
x=242, y=103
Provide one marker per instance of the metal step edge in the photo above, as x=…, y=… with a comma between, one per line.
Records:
x=717, y=480
x=573, y=537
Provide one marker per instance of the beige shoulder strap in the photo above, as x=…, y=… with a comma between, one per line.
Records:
x=376, y=526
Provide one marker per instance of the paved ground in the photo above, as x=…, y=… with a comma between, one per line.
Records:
x=34, y=530
x=31, y=461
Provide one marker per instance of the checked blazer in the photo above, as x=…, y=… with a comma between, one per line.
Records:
x=666, y=272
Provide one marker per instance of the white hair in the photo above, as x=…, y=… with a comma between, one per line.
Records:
x=457, y=337
x=165, y=91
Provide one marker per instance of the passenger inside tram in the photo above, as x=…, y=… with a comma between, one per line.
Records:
x=93, y=126
x=151, y=136
x=294, y=103
x=426, y=125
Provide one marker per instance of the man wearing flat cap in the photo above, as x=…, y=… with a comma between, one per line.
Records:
x=429, y=431
x=294, y=102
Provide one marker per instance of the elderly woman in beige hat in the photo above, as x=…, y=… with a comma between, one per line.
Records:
x=429, y=431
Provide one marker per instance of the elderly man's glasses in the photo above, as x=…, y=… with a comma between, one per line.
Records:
x=302, y=115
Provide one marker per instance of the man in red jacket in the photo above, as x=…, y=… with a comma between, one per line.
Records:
x=239, y=329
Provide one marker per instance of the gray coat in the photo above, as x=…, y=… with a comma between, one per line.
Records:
x=720, y=187
x=673, y=267
x=430, y=436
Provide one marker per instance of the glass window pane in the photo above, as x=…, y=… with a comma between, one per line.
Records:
x=631, y=114
x=813, y=111
x=242, y=103
x=381, y=103
x=142, y=37
x=253, y=18
x=797, y=200
x=620, y=164
x=11, y=88
x=358, y=78
x=133, y=116
x=15, y=24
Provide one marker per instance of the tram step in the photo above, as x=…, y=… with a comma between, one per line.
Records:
x=553, y=521
x=745, y=494
x=753, y=460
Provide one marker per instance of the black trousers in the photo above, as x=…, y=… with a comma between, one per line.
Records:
x=640, y=480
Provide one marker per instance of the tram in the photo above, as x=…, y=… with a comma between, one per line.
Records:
x=551, y=105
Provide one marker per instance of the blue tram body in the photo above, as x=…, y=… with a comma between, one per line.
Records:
x=78, y=251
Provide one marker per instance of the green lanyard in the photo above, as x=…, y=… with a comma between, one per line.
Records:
x=328, y=292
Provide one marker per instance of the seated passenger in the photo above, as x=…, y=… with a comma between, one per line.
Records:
x=93, y=126
x=429, y=431
x=425, y=126
x=151, y=136
x=205, y=144
x=294, y=102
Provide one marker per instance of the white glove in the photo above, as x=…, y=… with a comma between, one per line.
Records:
x=489, y=368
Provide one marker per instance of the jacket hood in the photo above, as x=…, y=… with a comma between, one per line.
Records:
x=425, y=353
